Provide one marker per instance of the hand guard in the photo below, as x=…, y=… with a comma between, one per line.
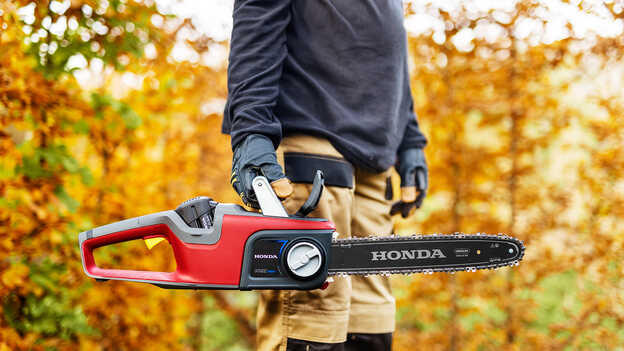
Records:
x=254, y=156
x=412, y=168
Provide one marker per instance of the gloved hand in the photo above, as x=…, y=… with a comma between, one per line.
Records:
x=412, y=168
x=254, y=156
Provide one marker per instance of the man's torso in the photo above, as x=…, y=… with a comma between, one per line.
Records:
x=345, y=77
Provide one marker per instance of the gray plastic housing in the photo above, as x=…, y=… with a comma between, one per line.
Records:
x=175, y=223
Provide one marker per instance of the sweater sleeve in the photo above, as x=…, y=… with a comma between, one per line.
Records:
x=412, y=137
x=257, y=52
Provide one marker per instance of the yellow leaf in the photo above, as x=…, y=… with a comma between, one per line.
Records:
x=15, y=275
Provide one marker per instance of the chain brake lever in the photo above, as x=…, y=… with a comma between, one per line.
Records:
x=315, y=195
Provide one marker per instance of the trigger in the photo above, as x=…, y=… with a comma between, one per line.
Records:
x=151, y=242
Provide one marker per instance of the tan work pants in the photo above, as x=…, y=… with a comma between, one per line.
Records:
x=350, y=304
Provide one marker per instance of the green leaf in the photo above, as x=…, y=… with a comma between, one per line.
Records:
x=54, y=155
x=31, y=167
x=86, y=176
x=6, y=172
x=221, y=338
x=131, y=118
x=558, y=300
x=81, y=127
x=68, y=201
x=99, y=102
x=70, y=164
x=9, y=204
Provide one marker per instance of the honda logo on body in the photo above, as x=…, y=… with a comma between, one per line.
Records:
x=406, y=255
x=265, y=256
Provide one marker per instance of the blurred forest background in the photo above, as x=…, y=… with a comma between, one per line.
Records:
x=112, y=109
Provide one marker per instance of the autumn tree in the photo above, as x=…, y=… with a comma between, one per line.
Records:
x=491, y=86
x=112, y=109
x=101, y=122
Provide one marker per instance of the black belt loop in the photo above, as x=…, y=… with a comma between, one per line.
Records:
x=301, y=167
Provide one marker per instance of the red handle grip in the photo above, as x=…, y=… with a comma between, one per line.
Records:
x=196, y=263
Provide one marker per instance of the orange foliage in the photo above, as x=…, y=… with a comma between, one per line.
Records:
x=525, y=138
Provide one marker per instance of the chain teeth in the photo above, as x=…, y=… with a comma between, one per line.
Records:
x=436, y=236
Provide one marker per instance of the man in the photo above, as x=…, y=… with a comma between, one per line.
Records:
x=325, y=82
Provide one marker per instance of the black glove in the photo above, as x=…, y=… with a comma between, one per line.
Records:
x=412, y=168
x=255, y=156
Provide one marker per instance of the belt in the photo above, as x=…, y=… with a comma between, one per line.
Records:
x=301, y=167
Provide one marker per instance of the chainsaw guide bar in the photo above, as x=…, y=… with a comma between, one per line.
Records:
x=423, y=254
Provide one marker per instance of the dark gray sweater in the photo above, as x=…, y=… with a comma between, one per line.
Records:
x=332, y=68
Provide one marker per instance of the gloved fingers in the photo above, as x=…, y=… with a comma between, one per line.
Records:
x=422, y=183
x=412, y=168
x=242, y=182
x=236, y=180
x=408, y=178
x=280, y=184
x=421, y=196
x=272, y=170
x=406, y=208
x=396, y=208
x=283, y=187
x=416, y=177
x=236, y=183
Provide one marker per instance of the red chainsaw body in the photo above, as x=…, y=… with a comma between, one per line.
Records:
x=216, y=265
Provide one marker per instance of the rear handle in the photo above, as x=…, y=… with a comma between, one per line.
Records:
x=88, y=245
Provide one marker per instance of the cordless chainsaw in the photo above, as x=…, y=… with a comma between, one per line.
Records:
x=224, y=246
